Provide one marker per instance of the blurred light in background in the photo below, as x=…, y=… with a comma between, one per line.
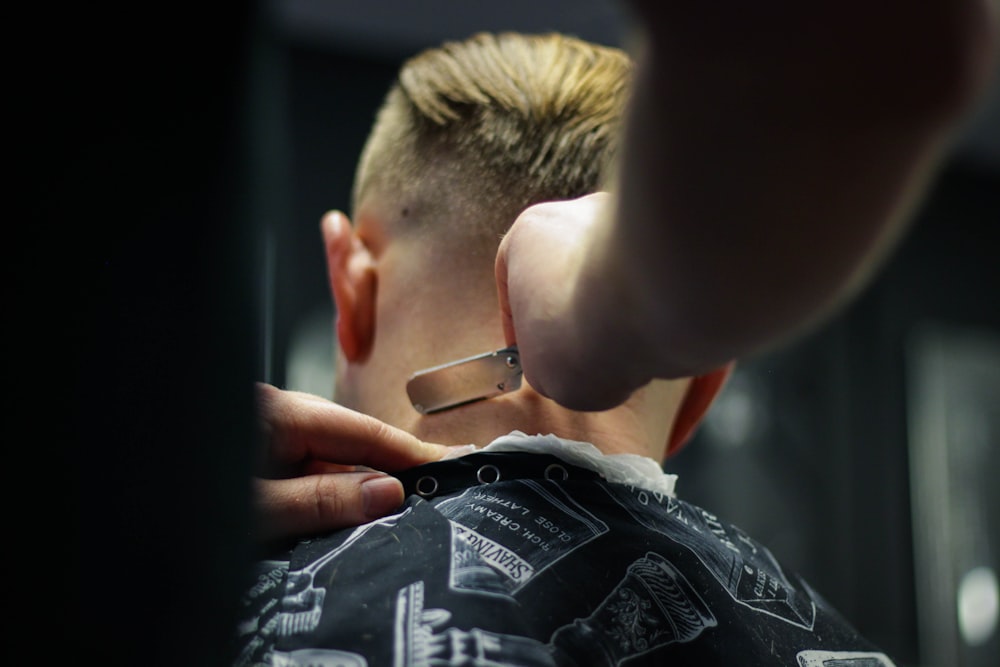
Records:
x=954, y=433
x=978, y=605
x=741, y=413
x=310, y=354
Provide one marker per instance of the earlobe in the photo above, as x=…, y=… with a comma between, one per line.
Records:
x=701, y=392
x=352, y=277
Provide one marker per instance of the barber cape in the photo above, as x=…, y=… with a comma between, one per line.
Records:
x=540, y=551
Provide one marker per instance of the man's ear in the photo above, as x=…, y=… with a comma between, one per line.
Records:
x=701, y=392
x=351, y=272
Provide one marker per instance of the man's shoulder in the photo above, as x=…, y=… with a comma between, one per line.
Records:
x=555, y=568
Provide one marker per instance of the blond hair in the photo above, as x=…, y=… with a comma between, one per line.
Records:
x=478, y=130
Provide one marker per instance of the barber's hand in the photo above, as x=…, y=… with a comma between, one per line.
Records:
x=313, y=447
x=567, y=324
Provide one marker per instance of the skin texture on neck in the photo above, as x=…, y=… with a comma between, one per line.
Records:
x=635, y=427
x=639, y=426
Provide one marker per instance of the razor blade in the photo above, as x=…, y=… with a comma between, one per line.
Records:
x=465, y=381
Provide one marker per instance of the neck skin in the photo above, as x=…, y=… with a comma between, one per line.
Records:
x=429, y=310
x=640, y=426
x=627, y=429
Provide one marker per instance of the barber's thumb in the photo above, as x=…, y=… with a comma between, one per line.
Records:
x=380, y=496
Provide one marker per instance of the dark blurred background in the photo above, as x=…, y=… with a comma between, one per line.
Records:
x=169, y=169
x=864, y=454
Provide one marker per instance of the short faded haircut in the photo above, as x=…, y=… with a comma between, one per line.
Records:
x=473, y=132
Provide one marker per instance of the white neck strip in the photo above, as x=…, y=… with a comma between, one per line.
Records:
x=632, y=469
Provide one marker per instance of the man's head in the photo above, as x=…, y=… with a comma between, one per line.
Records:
x=470, y=135
x=474, y=132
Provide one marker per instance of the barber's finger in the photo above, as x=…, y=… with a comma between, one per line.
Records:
x=320, y=467
x=316, y=503
x=302, y=427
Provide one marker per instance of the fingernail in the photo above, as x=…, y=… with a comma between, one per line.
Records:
x=381, y=495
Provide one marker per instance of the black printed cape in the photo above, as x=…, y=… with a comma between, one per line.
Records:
x=506, y=558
